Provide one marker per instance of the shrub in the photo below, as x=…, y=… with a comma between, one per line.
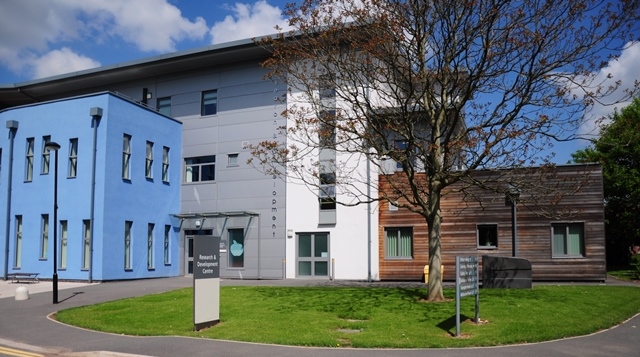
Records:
x=634, y=260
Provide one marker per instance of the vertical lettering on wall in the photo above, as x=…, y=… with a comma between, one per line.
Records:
x=274, y=201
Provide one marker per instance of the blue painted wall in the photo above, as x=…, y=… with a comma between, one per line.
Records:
x=138, y=199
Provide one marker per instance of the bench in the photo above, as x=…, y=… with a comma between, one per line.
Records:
x=23, y=277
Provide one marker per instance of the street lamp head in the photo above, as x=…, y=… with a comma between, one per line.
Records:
x=52, y=145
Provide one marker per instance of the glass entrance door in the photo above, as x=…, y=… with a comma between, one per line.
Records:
x=313, y=255
x=188, y=261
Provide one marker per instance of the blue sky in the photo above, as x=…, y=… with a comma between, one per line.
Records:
x=39, y=39
x=43, y=38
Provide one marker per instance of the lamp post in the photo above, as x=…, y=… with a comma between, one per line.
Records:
x=55, y=147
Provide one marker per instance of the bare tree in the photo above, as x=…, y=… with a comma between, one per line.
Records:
x=428, y=91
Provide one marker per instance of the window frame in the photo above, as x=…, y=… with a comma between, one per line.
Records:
x=209, y=105
x=17, y=254
x=165, y=163
x=189, y=172
x=64, y=244
x=150, y=246
x=398, y=255
x=167, y=244
x=239, y=260
x=126, y=157
x=162, y=105
x=232, y=159
x=479, y=239
x=566, y=240
x=73, y=158
x=148, y=164
x=327, y=191
x=44, y=236
x=29, y=157
x=128, y=227
x=46, y=156
x=86, y=244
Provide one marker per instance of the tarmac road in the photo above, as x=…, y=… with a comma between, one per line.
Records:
x=24, y=325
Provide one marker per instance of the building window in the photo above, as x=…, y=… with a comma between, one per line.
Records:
x=150, y=245
x=148, y=168
x=567, y=240
x=46, y=155
x=167, y=245
x=487, y=236
x=327, y=115
x=404, y=154
x=73, y=157
x=393, y=206
x=232, y=159
x=28, y=175
x=209, y=102
x=86, y=244
x=399, y=242
x=200, y=168
x=164, y=106
x=44, y=236
x=64, y=235
x=327, y=191
x=165, y=164
x=127, y=245
x=17, y=259
x=126, y=156
x=236, y=248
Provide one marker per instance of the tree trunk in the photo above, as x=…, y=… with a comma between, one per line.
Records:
x=434, y=222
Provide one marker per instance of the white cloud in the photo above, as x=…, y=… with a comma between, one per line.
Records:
x=30, y=31
x=151, y=25
x=248, y=21
x=61, y=61
x=625, y=69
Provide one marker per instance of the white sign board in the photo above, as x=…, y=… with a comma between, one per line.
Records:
x=467, y=276
x=206, y=281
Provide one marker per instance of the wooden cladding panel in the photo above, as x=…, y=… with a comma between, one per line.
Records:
x=461, y=214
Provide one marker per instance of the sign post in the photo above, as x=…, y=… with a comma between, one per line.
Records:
x=466, y=284
x=206, y=281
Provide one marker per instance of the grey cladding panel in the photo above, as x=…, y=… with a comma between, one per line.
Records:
x=249, y=73
x=186, y=98
x=247, y=101
x=201, y=136
x=252, y=115
x=248, y=189
x=247, y=89
x=199, y=191
x=250, y=131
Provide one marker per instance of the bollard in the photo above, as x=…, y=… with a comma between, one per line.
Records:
x=22, y=293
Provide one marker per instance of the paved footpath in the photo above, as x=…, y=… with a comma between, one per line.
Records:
x=24, y=325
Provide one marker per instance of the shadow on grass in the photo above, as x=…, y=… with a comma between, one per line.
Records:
x=449, y=325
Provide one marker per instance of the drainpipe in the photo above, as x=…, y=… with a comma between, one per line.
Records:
x=96, y=115
x=12, y=125
x=368, y=218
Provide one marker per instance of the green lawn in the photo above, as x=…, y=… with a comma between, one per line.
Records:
x=623, y=273
x=382, y=317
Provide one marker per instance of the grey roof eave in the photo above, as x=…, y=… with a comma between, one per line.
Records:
x=100, y=78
